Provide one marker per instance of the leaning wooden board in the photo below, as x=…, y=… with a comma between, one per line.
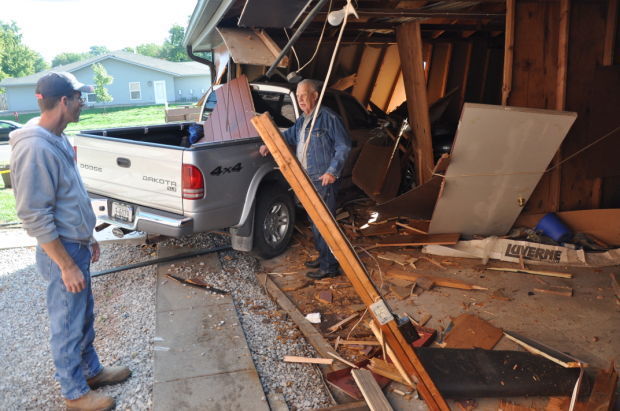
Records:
x=348, y=259
x=498, y=157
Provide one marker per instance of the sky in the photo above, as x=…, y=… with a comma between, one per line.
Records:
x=51, y=27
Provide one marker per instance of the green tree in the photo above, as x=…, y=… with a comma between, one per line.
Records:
x=149, y=49
x=16, y=59
x=129, y=49
x=173, y=49
x=67, y=58
x=102, y=79
x=98, y=50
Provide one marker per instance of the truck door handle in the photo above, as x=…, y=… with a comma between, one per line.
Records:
x=123, y=162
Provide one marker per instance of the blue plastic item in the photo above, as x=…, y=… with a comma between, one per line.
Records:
x=196, y=132
x=551, y=226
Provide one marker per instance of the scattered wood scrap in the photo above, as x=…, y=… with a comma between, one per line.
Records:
x=384, y=368
x=509, y=406
x=387, y=350
x=371, y=391
x=342, y=360
x=339, y=324
x=417, y=240
x=358, y=342
x=402, y=292
x=400, y=259
x=408, y=227
x=308, y=360
x=379, y=229
x=325, y=296
x=470, y=331
x=543, y=350
x=535, y=272
x=439, y=281
x=556, y=290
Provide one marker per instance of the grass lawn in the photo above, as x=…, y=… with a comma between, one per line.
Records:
x=94, y=118
x=7, y=206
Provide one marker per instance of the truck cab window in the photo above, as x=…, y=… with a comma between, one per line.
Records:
x=279, y=106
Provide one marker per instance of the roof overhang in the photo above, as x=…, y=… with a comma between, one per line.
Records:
x=201, y=34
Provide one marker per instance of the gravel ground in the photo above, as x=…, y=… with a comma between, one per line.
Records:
x=125, y=325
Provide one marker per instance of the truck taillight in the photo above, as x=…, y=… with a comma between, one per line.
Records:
x=193, y=183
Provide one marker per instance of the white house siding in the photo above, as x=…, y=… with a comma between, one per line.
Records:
x=191, y=88
x=21, y=98
x=125, y=73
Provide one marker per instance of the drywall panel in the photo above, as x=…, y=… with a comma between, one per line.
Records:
x=498, y=157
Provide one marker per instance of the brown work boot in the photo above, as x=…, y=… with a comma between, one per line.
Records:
x=109, y=376
x=91, y=401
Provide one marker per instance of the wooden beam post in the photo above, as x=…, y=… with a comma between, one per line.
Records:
x=348, y=259
x=508, y=50
x=409, y=39
x=610, y=33
x=438, y=72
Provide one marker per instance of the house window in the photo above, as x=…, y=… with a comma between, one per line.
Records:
x=135, y=92
x=91, y=98
x=180, y=92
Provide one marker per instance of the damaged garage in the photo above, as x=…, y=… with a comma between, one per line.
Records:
x=480, y=209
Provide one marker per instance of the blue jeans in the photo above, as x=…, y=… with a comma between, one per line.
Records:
x=327, y=261
x=71, y=323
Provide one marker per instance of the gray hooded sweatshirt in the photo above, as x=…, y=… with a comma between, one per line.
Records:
x=50, y=197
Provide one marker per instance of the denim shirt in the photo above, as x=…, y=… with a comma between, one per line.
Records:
x=329, y=146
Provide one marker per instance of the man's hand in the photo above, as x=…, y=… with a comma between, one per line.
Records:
x=263, y=150
x=327, y=179
x=73, y=279
x=95, y=251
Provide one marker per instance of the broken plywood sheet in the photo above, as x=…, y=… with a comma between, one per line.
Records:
x=251, y=47
x=419, y=202
x=498, y=157
x=470, y=331
x=533, y=253
x=230, y=120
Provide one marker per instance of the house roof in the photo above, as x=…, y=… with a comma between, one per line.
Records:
x=181, y=69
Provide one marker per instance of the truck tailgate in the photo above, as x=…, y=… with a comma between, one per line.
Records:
x=147, y=174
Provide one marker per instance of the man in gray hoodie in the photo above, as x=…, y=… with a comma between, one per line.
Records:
x=54, y=208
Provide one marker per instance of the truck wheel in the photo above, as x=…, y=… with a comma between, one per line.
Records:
x=274, y=221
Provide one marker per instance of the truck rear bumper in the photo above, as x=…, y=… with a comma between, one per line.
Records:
x=145, y=219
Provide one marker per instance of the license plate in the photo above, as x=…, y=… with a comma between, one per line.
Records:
x=122, y=212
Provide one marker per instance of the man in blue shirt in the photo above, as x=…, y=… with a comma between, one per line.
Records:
x=322, y=155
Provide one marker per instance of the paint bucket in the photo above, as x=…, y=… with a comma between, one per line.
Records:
x=551, y=226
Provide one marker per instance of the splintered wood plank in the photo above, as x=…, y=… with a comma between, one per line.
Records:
x=439, y=281
x=384, y=368
x=470, y=331
x=413, y=240
x=491, y=173
x=371, y=391
x=307, y=360
x=543, y=350
x=409, y=39
x=348, y=259
x=379, y=229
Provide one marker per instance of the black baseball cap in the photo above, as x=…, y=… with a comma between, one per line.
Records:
x=60, y=83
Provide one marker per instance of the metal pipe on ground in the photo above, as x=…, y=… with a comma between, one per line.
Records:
x=161, y=260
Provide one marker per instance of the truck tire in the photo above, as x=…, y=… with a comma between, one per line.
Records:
x=274, y=220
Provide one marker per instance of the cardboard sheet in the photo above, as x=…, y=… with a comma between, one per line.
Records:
x=533, y=253
x=498, y=157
